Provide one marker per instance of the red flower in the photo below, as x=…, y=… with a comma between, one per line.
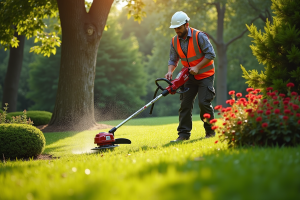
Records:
x=227, y=118
x=282, y=95
x=236, y=111
x=243, y=100
x=255, y=102
x=295, y=107
x=214, y=127
x=265, y=101
x=294, y=93
x=232, y=139
x=228, y=109
x=269, y=88
x=276, y=102
x=258, y=119
x=213, y=121
x=233, y=115
x=285, y=117
x=206, y=115
x=268, y=112
x=249, y=89
x=223, y=110
x=218, y=107
x=216, y=141
x=260, y=111
x=258, y=90
x=285, y=102
x=239, y=122
x=298, y=114
x=290, y=85
x=259, y=96
x=299, y=121
x=231, y=101
x=231, y=92
x=239, y=94
x=287, y=111
x=275, y=97
x=264, y=125
x=254, y=92
x=276, y=111
x=252, y=115
x=287, y=99
x=249, y=110
x=224, y=123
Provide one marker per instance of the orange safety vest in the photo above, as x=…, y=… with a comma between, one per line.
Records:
x=194, y=56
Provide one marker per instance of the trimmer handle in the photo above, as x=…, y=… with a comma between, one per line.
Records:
x=162, y=79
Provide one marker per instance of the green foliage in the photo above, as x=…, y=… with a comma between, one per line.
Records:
x=272, y=121
x=20, y=140
x=27, y=18
x=43, y=80
x=37, y=117
x=277, y=48
x=135, y=9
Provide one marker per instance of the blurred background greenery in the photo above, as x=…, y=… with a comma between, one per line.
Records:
x=132, y=55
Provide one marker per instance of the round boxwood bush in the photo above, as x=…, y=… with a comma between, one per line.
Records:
x=21, y=141
x=38, y=117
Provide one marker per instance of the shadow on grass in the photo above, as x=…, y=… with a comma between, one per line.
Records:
x=55, y=136
x=183, y=142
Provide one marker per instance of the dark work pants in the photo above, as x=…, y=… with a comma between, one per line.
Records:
x=206, y=93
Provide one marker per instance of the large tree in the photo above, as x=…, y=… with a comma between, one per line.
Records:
x=81, y=34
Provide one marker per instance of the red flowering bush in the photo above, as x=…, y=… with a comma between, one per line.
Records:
x=257, y=121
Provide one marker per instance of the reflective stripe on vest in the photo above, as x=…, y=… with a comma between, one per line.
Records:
x=194, y=56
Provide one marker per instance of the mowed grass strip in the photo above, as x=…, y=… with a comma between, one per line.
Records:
x=152, y=168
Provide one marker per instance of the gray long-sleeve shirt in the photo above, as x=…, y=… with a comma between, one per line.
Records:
x=204, y=44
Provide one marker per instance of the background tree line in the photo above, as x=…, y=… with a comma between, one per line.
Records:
x=132, y=55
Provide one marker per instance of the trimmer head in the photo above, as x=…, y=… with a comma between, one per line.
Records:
x=107, y=141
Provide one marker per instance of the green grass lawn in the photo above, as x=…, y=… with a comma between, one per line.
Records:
x=152, y=168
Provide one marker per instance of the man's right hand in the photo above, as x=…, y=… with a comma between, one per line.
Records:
x=169, y=75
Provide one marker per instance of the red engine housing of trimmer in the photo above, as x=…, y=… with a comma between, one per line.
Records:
x=181, y=78
x=104, y=139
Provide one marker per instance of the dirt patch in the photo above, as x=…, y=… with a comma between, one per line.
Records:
x=44, y=157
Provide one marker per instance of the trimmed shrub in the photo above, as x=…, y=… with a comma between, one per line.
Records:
x=20, y=141
x=274, y=120
x=38, y=117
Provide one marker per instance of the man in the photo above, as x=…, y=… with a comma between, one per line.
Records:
x=196, y=52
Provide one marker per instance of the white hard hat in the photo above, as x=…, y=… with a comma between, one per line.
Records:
x=178, y=19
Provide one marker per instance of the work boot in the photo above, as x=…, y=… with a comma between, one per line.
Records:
x=180, y=138
x=210, y=134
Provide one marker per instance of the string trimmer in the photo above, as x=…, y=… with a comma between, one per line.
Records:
x=107, y=141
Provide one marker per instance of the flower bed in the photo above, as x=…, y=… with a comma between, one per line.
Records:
x=273, y=120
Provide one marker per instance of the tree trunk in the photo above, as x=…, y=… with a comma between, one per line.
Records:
x=81, y=34
x=222, y=75
x=14, y=68
x=222, y=57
